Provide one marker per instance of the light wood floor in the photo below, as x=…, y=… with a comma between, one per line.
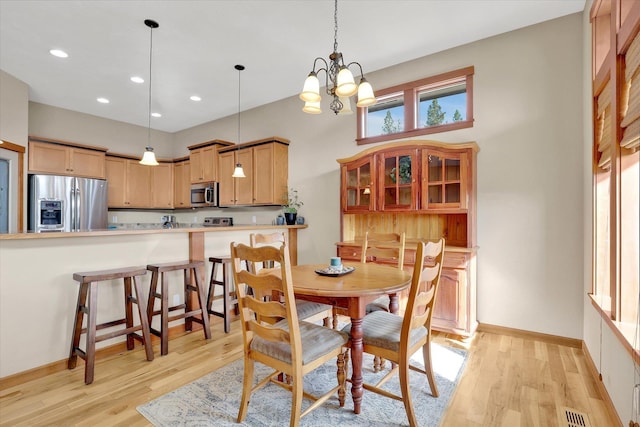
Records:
x=508, y=381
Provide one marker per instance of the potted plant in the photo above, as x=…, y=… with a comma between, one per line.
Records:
x=291, y=205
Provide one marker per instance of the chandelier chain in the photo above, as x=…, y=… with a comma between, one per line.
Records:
x=335, y=27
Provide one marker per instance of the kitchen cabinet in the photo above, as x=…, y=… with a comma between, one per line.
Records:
x=203, y=160
x=426, y=189
x=265, y=163
x=63, y=158
x=132, y=185
x=162, y=186
x=182, y=184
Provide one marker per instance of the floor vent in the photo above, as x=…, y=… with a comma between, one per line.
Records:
x=572, y=418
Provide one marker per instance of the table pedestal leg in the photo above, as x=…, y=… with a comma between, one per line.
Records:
x=356, y=363
x=393, y=303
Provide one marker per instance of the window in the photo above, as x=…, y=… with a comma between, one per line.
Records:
x=435, y=104
x=616, y=168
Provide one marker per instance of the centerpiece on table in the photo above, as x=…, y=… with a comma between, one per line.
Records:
x=291, y=205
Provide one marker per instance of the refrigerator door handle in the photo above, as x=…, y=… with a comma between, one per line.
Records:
x=72, y=209
x=76, y=225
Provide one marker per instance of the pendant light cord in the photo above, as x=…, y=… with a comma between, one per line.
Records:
x=150, y=62
x=239, y=68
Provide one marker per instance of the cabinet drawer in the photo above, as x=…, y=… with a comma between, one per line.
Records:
x=455, y=260
x=350, y=253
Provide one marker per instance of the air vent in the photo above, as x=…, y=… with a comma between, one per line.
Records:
x=572, y=418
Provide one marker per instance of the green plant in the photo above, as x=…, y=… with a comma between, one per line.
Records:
x=292, y=201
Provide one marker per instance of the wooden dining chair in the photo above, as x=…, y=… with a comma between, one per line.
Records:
x=307, y=310
x=396, y=338
x=289, y=346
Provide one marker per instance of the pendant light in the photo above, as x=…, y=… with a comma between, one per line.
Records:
x=149, y=157
x=238, y=172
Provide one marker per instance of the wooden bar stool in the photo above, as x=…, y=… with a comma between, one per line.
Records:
x=89, y=289
x=228, y=295
x=158, y=272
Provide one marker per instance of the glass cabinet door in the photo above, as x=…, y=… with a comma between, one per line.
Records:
x=358, y=191
x=398, y=180
x=443, y=183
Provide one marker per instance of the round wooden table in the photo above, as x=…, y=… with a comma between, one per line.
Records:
x=352, y=291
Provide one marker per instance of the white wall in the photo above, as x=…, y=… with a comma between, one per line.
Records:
x=14, y=113
x=528, y=124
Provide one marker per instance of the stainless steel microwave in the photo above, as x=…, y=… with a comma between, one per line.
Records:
x=204, y=194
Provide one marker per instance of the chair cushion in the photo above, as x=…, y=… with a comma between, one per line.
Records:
x=309, y=308
x=380, y=304
x=382, y=329
x=316, y=341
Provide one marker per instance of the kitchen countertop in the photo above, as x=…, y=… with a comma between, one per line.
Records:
x=124, y=231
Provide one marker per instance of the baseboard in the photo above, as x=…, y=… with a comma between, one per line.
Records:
x=61, y=365
x=552, y=339
x=593, y=370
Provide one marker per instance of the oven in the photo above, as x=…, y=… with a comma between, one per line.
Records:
x=204, y=194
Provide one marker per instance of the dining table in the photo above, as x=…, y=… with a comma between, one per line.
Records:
x=351, y=291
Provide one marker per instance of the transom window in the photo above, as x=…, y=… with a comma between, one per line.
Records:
x=435, y=104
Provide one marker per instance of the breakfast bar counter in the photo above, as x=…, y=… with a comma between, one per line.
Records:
x=38, y=294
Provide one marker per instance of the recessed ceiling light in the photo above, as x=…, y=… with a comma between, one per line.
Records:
x=59, y=53
x=156, y=114
x=102, y=100
x=137, y=79
x=195, y=98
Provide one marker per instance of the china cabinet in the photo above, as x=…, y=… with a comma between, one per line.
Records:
x=359, y=185
x=427, y=190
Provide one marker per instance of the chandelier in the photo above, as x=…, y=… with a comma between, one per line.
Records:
x=339, y=82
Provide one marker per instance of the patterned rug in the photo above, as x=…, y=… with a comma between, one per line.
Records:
x=213, y=400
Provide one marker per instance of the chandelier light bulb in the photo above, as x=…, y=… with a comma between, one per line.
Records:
x=365, y=94
x=346, y=86
x=311, y=89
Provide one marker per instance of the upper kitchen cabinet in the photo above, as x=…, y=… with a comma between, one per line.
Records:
x=65, y=158
x=162, y=185
x=182, y=183
x=203, y=159
x=265, y=163
x=132, y=185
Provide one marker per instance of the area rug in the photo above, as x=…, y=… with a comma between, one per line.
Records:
x=213, y=400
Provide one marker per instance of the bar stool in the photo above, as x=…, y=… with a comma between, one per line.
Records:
x=158, y=272
x=228, y=296
x=89, y=289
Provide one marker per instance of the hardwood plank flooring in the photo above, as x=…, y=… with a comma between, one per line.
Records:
x=508, y=381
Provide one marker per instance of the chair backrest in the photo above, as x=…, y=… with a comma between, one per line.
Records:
x=424, y=287
x=258, y=315
x=383, y=247
x=273, y=239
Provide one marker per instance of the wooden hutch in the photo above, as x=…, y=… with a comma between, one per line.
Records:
x=428, y=190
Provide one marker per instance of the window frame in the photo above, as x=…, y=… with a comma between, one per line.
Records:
x=410, y=93
x=610, y=289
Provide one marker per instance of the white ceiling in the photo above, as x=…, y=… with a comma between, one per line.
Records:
x=199, y=42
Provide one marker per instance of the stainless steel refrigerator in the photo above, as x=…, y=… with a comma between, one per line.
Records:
x=66, y=203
